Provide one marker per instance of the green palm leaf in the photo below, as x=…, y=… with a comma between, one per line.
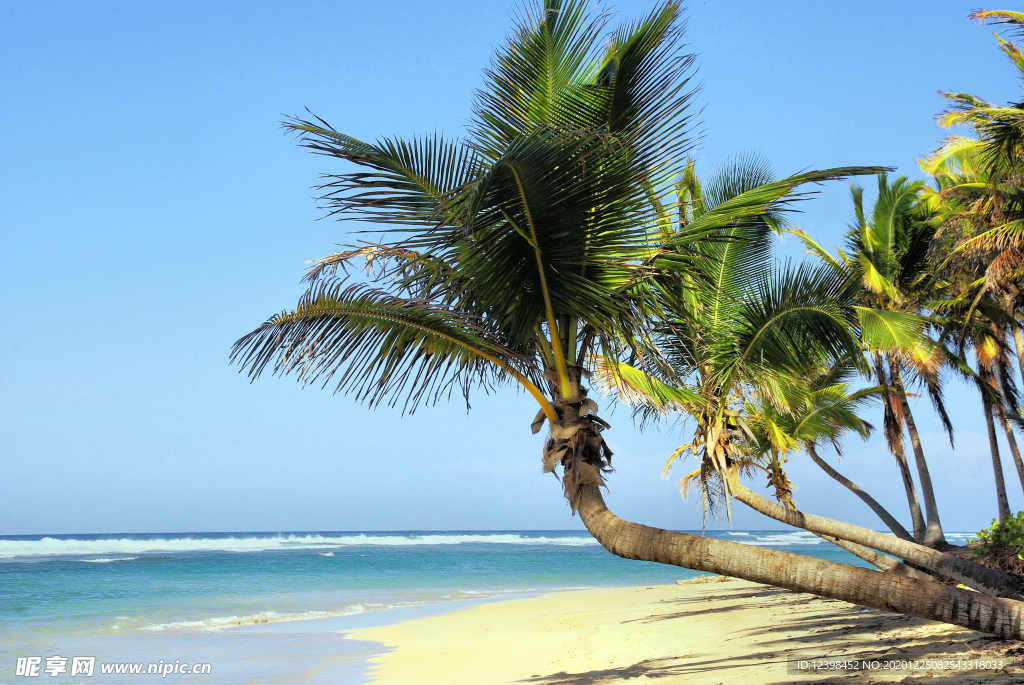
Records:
x=412, y=182
x=380, y=347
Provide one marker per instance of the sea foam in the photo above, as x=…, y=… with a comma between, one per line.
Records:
x=75, y=546
x=219, y=622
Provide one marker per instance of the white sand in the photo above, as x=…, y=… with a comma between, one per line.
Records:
x=694, y=633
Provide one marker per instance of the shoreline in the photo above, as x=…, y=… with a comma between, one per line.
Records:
x=701, y=632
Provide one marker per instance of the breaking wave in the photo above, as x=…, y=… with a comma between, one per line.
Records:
x=219, y=622
x=91, y=546
x=95, y=549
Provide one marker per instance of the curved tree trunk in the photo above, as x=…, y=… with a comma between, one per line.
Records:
x=887, y=518
x=997, y=465
x=982, y=578
x=893, y=424
x=887, y=591
x=933, y=536
x=784, y=495
x=1012, y=442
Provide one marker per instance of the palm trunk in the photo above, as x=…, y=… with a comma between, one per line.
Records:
x=889, y=520
x=916, y=519
x=887, y=591
x=1018, y=340
x=982, y=578
x=933, y=536
x=915, y=507
x=1012, y=441
x=784, y=494
x=997, y=465
x=879, y=561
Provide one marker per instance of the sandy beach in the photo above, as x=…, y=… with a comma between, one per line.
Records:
x=714, y=633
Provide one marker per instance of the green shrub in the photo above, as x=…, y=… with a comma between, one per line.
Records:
x=1005, y=534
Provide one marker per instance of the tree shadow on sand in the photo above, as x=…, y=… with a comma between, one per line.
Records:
x=674, y=667
x=652, y=668
x=796, y=636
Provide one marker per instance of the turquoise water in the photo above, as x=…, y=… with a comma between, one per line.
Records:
x=273, y=607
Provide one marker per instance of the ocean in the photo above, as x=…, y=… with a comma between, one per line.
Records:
x=275, y=607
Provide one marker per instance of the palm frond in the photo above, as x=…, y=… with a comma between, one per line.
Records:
x=380, y=347
x=635, y=388
x=413, y=182
x=891, y=331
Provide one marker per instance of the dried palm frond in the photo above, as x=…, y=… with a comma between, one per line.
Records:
x=375, y=256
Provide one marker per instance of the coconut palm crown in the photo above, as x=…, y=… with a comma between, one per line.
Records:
x=516, y=252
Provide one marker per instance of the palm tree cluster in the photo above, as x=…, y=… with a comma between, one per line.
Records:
x=568, y=240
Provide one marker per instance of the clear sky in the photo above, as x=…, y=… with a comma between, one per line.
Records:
x=151, y=212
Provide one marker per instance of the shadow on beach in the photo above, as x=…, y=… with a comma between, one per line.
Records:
x=801, y=631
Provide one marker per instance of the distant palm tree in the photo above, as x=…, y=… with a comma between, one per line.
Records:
x=887, y=254
x=541, y=238
x=739, y=327
x=980, y=176
x=978, y=192
x=819, y=409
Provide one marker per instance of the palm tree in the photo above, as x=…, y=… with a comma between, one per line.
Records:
x=820, y=409
x=995, y=153
x=887, y=253
x=817, y=408
x=967, y=322
x=738, y=327
x=741, y=332
x=537, y=240
x=980, y=308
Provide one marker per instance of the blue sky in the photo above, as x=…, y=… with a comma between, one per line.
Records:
x=151, y=212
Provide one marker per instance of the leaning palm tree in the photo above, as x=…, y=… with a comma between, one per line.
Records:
x=737, y=332
x=761, y=436
x=820, y=409
x=887, y=253
x=538, y=239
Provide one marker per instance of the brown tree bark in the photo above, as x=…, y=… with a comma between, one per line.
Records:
x=887, y=591
x=1011, y=440
x=982, y=578
x=933, y=536
x=879, y=561
x=896, y=447
x=997, y=465
x=887, y=518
